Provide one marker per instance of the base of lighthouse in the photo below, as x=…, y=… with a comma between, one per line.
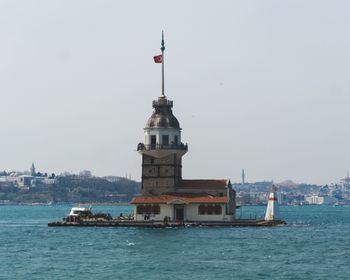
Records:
x=191, y=201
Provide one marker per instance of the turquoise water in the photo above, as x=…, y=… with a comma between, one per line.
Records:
x=314, y=245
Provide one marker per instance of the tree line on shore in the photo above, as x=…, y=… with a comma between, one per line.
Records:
x=73, y=189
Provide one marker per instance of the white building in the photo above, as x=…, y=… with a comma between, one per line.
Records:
x=25, y=181
x=182, y=207
x=318, y=200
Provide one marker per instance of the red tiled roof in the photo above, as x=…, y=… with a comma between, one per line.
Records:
x=186, y=199
x=203, y=184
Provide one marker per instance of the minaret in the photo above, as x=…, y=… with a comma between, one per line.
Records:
x=243, y=177
x=32, y=170
x=272, y=211
x=162, y=150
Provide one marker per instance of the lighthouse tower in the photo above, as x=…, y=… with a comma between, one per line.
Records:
x=162, y=149
x=165, y=195
x=272, y=211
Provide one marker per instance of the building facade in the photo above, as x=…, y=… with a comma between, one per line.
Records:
x=315, y=199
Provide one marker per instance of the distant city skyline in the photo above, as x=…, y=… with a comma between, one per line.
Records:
x=256, y=85
x=86, y=172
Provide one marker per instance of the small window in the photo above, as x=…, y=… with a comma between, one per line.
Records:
x=156, y=209
x=165, y=140
x=176, y=140
x=217, y=209
x=201, y=209
x=209, y=209
x=140, y=209
x=148, y=209
x=153, y=140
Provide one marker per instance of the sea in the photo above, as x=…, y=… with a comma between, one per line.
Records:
x=314, y=245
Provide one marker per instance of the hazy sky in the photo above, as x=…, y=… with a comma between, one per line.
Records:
x=260, y=85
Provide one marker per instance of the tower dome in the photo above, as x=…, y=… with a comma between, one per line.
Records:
x=162, y=131
x=162, y=116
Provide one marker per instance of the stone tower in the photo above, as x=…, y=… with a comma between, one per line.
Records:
x=162, y=150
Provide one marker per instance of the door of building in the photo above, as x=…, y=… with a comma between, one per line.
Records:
x=179, y=213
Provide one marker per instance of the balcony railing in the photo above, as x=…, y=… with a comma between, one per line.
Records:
x=143, y=147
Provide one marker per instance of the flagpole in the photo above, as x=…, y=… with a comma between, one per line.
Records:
x=162, y=49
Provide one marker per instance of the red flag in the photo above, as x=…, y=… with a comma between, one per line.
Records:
x=158, y=58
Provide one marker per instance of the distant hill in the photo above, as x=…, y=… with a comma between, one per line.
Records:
x=74, y=189
x=288, y=184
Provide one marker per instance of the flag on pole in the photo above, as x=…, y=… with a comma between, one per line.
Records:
x=158, y=58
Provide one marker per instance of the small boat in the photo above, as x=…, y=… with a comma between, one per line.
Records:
x=81, y=214
x=78, y=213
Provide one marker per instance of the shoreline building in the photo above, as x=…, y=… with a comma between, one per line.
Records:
x=345, y=182
x=33, y=179
x=165, y=195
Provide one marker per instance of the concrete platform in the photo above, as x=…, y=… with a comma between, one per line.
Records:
x=156, y=224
